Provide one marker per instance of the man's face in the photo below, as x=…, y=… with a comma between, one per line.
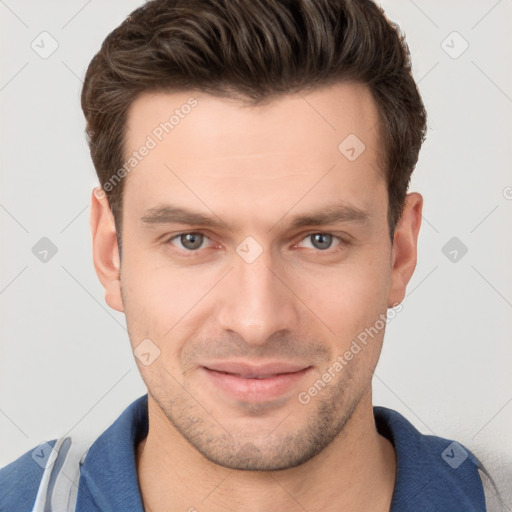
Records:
x=252, y=307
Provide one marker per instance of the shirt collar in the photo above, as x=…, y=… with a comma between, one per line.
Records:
x=108, y=480
x=425, y=480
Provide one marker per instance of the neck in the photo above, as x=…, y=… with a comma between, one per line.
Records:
x=355, y=472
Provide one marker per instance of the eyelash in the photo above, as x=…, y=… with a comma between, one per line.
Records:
x=191, y=253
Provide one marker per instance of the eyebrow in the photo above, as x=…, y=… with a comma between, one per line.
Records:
x=330, y=214
x=171, y=215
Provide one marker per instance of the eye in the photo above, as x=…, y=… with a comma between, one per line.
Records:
x=188, y=241
x=321, y=241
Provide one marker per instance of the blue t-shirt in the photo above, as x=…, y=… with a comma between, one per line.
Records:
x=433, y=474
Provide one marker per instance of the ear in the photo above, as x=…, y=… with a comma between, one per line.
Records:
x=105, y=249
x=404, y=251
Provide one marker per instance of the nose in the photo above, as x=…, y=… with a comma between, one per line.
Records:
x=256, y=302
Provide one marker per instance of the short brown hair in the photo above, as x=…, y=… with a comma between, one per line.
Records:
x=256, y=50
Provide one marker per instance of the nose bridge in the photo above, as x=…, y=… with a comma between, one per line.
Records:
x=256, y=304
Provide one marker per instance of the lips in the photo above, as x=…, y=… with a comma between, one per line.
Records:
x=247, y=371
x=255, y=383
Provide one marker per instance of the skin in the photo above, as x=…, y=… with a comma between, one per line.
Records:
x=256, y=168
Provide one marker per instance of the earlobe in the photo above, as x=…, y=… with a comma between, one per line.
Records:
x=404, y=253
x=105, y=249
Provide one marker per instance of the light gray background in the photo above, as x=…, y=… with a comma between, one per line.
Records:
x=65, y=357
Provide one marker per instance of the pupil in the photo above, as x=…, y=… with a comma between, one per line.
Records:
x=192, y=240
x=321, y=240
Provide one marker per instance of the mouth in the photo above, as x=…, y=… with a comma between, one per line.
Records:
x=252, y=383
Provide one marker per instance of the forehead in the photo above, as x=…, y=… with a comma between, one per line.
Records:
x=224, y=151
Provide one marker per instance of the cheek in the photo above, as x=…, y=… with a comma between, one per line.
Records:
x=159, y=297
x=349, y=297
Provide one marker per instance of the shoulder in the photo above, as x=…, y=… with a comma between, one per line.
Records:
x=19, y=480
x=433, y=473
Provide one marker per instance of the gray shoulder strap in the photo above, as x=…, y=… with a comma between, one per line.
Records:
x=493, y=499
x=58, y=489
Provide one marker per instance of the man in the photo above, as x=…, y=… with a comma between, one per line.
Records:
x=253, y=224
